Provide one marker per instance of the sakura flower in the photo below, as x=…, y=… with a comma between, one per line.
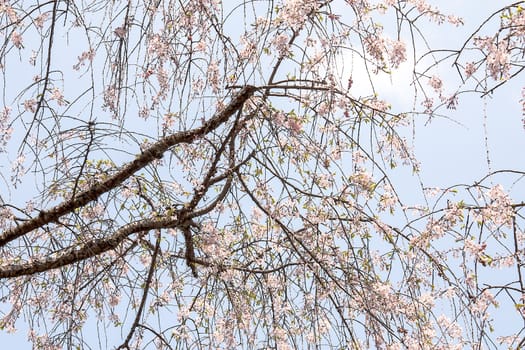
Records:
x=375, y=46
x=482, y=303
x=56, y=95
x=5, y=129
x=40, y=19
x=248, y=48
x=110, y=98
x=324, y=108
x=294, y=125
x=397, y=53
x=214, y=76
x=324, y=181
x=86, y=55
x=278, y=118
x=30, y=105
x=363, y=179
x=157, y=47
x=452, y=328
x=295, y=12
x=499, y=211
x=9, y=10
x=114, y=299
x=421, y=5
x=120, y=32
x=388, y=199
x=470, y=68
x=455, y=20
x=498, y=60
x=18, y=169
x=474, y=248
x=168, y=121
x=197, y=86
x=16, y=39
x=163, y=80
x=436, y=83
x=280, y=42
x=201, y=46
x=428, y=103
x=94, y=212
x=509, y=340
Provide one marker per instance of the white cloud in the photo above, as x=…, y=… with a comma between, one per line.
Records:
x=394, y=87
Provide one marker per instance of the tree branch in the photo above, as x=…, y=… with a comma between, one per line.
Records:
x=156, y=151
x=90, y=249
x=147, y=284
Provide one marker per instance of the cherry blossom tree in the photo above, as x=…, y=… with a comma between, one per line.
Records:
x=206, y=174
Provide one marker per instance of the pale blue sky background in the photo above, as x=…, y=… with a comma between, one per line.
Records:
x=449, y=153
x=453, y=150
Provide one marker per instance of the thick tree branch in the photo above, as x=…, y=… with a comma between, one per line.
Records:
x=88, y=250
x=156, y=151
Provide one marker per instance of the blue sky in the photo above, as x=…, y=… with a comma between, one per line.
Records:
x=451, y=150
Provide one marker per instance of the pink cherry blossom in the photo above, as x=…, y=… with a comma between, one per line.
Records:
x=17, y=40
x=56, y=95
x=247, y=174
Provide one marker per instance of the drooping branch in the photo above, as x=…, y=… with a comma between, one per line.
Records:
x=155, y=151
x=147, y=285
